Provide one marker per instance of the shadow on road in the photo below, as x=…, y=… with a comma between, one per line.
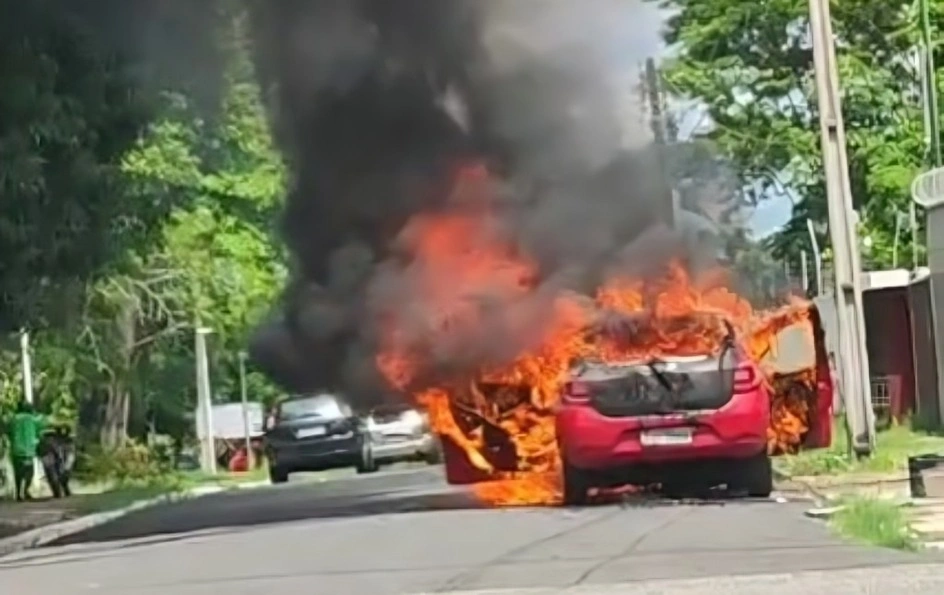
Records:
x=377, y=494
x=421, y=491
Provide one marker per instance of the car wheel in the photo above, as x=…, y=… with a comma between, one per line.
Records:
x=366, y=463
x=277, y=474
x=577, y=484
x=755, y=476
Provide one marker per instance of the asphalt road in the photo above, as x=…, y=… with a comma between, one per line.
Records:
x=405, y=532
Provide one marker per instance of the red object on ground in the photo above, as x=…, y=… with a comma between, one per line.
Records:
x=239, y=463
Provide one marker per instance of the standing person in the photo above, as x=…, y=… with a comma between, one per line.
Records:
x=25, y=429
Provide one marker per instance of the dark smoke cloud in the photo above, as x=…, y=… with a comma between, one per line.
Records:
x=377, y=101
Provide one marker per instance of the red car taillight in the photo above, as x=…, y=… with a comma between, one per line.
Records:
x=576, y=392
x=746, y=378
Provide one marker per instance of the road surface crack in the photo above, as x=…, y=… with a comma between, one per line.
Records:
x=632, y=546
x=459, y=580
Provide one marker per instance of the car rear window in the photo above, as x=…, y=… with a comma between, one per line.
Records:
x=326, y=406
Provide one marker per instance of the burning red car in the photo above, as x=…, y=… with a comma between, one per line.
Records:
x=674, y=421
x=485, y=348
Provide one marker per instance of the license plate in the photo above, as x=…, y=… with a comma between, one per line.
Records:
x=309, y=432
x=674, y=437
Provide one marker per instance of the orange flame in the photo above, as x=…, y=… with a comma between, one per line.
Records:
x=459, y=255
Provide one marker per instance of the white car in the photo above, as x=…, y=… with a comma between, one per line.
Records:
x=401, y=433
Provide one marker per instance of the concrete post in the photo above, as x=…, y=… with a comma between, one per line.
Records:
x=853, y=361
x=935, y=244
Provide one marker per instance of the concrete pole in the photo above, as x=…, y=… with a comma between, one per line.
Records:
x=853, y=357
x=204, y=403
x=804, y=273
x=897, y=240
x=243, y=395
x=913, y=226
x=26, y=361
x=657, y=124
x=817, y=256
x=930, y=84
x=27, y=364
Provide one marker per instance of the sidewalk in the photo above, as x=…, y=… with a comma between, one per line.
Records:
x=925, y=515
x=35, y=520
x=927, y=520
x=833, y=487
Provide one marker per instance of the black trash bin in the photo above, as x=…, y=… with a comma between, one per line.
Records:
x=917, y=465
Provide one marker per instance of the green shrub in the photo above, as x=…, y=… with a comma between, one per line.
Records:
x=132, y=464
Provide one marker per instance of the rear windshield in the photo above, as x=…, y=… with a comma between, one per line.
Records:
x=326, y=406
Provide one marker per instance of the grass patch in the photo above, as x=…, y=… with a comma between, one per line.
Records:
x=116, y=499
x=124, y=494
x=224, y=478
x=893, y=446
x=875, y=522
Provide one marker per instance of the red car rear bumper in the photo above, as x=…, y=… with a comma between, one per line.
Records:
x=590, y=440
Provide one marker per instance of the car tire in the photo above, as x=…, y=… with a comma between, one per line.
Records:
x=755, y=476
x=277, y=474
x=366, y=463
x=577, y=484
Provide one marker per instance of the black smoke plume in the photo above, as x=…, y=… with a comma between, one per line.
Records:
x=376, y=102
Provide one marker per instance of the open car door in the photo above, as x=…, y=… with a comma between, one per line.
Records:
x=821, y=424
x=802, y=346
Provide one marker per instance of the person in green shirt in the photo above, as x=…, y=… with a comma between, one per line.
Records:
x=25, y=430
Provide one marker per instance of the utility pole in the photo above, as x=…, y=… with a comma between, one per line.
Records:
x=853, y=357
x=804, y=274
x=658, y=125
x=897, y=240
x=26, y=361
x=930, y=85
x=27, y=365
x=204, y=402
x=931, y=117
x=817, y=256
x=244, y=397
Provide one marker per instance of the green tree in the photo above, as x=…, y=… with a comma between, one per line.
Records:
x=216, y=261
x=67, y=113
x=750, y=64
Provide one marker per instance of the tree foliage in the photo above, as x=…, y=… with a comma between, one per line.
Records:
x=750, y=65
x=136, y=207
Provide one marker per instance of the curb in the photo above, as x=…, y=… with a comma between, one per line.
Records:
x=823, y=513
x=828, y=491
x=40, y=536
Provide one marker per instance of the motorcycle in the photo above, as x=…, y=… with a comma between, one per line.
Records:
x=56, y=452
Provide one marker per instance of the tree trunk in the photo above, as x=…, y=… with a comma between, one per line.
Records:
x=107, y=433
x=115, y=424
x=118, y=402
